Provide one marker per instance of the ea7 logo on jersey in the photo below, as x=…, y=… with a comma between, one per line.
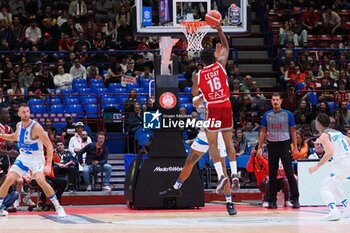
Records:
x=151, y=120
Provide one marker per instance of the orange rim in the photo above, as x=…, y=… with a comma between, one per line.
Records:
x=192, y=26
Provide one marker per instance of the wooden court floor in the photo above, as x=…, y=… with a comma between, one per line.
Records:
x=212, y=218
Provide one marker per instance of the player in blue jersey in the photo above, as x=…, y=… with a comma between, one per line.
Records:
x=31, y=139
x=337, y=149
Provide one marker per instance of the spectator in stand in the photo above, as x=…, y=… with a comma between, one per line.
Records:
x=92, y=70
x=325, y=91
x=322, y=107
x=129, y=70
x=339, y=120
x=96, y=161
x=123, y=15
x=331, y=22
x=69, y=130
x=341, y=94
x=114, y=75
x=286, y=34
x=32, y=34
x=5, y=15
x=295, y=77
x=345, y=112
x=46, y=78
x=110, y=31
x=62, y=19
x=36, y=90
x=78, y=10
x=250, y=132
x=247, y=83
x=26, y=78
x=300, y=35
x=104, y=10
x=146, y=74
x=99, y=41
x=81, y=41
x=319, y=151
x=90, y=30
x=48, y=125
x=129, y=104
x=79, y=140
x=69, y=164
x=78, y=70
x=139, y=66
x=302, y=147
x=240, y=144
x=135, y=119
x=309, y=20
x=65, y=44
x=62, y=80
x=303, y=114
x=341, y=4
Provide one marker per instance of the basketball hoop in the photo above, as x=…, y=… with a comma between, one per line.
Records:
x=194, y=32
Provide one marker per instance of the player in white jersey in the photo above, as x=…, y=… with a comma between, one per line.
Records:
x=31, y=139
x=198, y=148
x=337, y=149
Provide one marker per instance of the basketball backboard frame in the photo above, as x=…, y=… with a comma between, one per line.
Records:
x=175, y=30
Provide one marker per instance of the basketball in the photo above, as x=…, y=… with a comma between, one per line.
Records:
x=213, y=18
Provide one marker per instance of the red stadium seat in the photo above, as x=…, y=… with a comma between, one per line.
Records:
x=324, y=40
x=312, y=40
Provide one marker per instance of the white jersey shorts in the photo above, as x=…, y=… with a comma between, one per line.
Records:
x=201, y=144
x=26, y=163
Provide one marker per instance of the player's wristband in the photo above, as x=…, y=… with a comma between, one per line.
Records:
x=197, y=98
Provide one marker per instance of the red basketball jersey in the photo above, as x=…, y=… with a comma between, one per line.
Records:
x=212, y=82
x=4, y=129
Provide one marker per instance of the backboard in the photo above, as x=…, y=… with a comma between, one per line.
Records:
x=163, y=17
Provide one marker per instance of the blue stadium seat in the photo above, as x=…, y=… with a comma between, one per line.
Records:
x=66, y=91
x=53, y=100
x=76, y=86
x=331, y=106
x=142, y=99
x=114, y=85
x=84, y=90
x=188, y=89
x=78, y=80
x=122, y=99
x=184, y=100
x=59, y=126
x=104, y=72
x=313, y=99
x=74, y=108
x=92, y=81
x=242, y=161
x=35, y=101
x=143, y=136
x=118, y=90
x=37, y=108
x=189, y=108
x=70, y=100
x=129, y=87
x=300, y=86
x=101, y=91
x=88, y=100
x=91, y=110
x=109, y=99
x=94, y=86
x=181, y=77
x=139, y=90
x=57, y=108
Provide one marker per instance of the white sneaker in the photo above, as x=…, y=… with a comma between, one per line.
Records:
x=106, y=188
x=88, y=188
x=332, y=216
x=288, y=204
x=16, y=204
x=60, y=212
x=265, y=204
x=346, y=213
x=3, y=213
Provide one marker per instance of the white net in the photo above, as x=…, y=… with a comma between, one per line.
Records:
x=195, y=32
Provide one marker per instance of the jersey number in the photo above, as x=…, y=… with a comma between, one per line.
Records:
x=214, y=84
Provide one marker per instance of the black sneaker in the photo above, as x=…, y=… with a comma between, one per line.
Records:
x=170, y=192
x=71, y=188
x=231, y=208
x=272, y=205
x=11, y=209
x=221, y=184
x=295, y=204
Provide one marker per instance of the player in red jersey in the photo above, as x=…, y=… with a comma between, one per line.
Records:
x=212, y=82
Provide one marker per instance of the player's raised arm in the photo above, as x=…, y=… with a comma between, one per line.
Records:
x=225, y=48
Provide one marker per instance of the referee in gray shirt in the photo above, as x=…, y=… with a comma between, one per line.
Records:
x=278, y=127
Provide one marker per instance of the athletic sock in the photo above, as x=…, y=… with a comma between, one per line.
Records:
x=1, y=200
x=228, y=198
x=218, y=169
x=233, y=166
x=54, y=200
x=177, y=184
